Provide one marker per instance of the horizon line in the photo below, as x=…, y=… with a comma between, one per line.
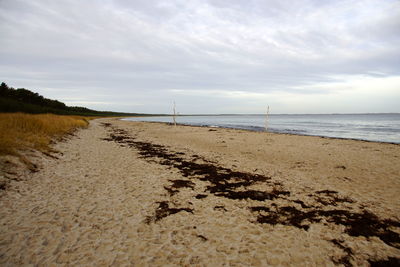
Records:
x=249, y=114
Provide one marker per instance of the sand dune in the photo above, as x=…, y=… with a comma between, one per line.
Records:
x=150, y=194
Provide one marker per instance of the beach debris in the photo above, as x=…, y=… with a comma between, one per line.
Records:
x=171, y=191
x=362, y=223
x=220, y=208
x=348, y=252
x=182, y=183
x=164, y=210
x=330, y=197
x=341, y=167
x=202, y=237
x=176, y=184
x=390, y=261
x=251, y=194
x=301, y=203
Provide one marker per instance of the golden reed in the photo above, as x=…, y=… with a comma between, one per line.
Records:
x=20, y=131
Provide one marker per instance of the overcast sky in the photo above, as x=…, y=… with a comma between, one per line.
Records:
x=215, y=56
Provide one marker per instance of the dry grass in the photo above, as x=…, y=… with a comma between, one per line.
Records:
x=19, y=131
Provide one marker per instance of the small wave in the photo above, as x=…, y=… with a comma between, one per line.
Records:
x=362, y=127
x=379, y=129
x=288, y=131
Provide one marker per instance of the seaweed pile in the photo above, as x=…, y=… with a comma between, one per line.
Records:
x=164, y=210
x=223, y=182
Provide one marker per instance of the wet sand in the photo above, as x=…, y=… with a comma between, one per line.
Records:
x=151, y=194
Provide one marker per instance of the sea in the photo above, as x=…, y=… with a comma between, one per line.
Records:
x=368, y=127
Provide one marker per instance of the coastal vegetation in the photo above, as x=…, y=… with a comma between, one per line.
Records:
x=19, y=131
x=31, y=121
x=24, y=100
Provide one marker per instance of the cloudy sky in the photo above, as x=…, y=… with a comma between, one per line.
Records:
x=215, y=56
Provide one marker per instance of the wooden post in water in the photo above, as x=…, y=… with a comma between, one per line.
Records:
x=267, y=119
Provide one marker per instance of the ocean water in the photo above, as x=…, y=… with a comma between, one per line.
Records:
x=370, y=127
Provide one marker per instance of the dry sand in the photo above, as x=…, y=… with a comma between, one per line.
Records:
x=151, y=194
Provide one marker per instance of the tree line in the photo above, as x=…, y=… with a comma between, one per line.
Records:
x=24, y=100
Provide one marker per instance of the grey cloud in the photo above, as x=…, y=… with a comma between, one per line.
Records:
x=143, y=49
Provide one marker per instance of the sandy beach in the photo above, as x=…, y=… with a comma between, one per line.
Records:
x=151, y=194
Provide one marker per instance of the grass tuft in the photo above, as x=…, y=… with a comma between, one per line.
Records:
x=20, y=131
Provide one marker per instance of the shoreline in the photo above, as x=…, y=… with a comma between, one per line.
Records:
x=263, y=131
x=150, y=194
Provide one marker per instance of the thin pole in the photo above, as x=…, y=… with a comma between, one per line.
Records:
x=174, y=117
x=267, y=119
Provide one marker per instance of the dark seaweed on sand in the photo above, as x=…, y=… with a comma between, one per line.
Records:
x=176, y=184
x=364, y=224
x=224, y=182
x=389, y=262
x=164, y=210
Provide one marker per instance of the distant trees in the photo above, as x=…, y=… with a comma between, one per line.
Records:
x=23, y=100
x=26, y=96
x=3, y=88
